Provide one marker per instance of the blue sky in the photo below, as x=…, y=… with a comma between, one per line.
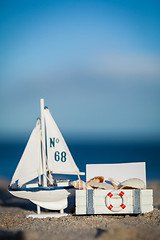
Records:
x=96, y=63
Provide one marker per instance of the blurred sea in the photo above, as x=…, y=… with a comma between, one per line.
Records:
x=90, y=152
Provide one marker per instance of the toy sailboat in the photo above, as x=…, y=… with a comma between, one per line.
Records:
x=46, y=153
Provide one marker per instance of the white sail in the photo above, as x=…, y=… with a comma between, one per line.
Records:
x=59, y=157
x=29, y=166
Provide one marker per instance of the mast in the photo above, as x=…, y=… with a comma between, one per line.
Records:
x=40, y=157
x=43, y=143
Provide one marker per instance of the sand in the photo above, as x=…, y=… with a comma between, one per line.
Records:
x=14, y=225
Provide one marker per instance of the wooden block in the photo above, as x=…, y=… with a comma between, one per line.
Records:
x=81, y=192
x=80, y=198
x=114, y=202
x=81, y=201
x=105, y=210
x=146, y=208
x=100, y=197
x=147, y=196
x=81, y=210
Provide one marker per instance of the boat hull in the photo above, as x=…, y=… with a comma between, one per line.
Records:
x=48, y=198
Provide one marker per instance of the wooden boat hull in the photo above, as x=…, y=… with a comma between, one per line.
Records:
x=52, y=198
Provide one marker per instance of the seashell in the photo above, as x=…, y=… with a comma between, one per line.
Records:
x=95, y=180
x=132, y=183
x=104, y=186
x=79, y=184
x=114, y=182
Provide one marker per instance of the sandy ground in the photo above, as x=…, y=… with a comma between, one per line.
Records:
x=14, y=225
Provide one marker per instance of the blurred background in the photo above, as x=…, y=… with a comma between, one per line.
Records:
x=97, y=65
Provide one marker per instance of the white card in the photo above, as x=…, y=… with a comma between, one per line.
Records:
x=119, y=171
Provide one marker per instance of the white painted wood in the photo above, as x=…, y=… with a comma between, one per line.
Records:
x=47, y=215
x=100, y=195
x=146, y=200
x=81, y=210
x=81, y=193
x=103, y=193
x=146, y=193
x=63, y=183
x=80, y=198
x=146, y=208
x=53, y=200
x=105, y=210
x=40, y=158
x=81, y=201
x=32, y=185
x=70, y=173
x=43, y=142
x=38, y=209
x=100, y=204
x=113, y=201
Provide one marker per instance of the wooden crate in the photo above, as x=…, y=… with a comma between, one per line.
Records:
x=113, y=202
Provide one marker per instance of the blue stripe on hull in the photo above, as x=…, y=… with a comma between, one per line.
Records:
x=36, y=189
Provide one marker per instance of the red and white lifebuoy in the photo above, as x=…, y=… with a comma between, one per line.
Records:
x=116, y=193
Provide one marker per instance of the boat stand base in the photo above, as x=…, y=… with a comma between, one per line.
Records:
x=46, y=215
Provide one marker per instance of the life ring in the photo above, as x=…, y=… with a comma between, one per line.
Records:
x=116, y=193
